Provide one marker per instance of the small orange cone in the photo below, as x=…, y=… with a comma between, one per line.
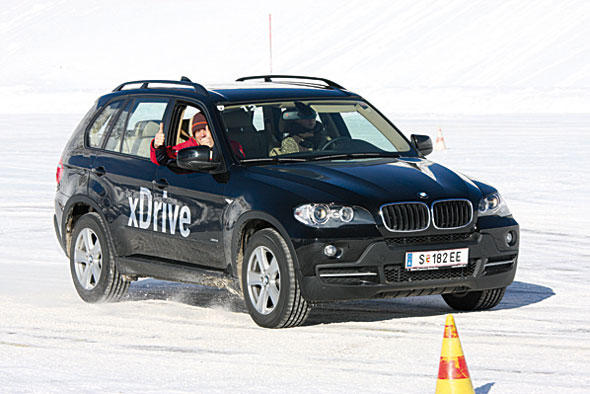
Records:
x=453, y=376
x=440, y=141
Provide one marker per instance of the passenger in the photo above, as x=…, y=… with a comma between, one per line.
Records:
x=201, y=135
x=305, y=132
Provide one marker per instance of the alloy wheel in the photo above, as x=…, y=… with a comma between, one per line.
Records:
x=88, y=259
x=263, y=280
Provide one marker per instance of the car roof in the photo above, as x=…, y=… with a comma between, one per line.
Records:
x=238, y=91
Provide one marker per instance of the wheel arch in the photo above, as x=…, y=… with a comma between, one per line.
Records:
x=75, y=208
x=248, y=224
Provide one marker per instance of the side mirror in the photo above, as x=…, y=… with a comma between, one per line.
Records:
x=423, y=143
x=196, y=158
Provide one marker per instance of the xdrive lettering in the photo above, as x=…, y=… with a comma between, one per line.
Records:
x=169, y=215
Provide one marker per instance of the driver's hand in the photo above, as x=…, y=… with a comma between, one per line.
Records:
x=159, y=138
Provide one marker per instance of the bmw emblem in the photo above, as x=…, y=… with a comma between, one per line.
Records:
x=423, y=195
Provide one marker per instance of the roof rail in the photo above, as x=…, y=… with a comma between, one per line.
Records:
x=183, y=81
x=268, y=78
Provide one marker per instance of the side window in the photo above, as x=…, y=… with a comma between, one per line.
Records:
x=116, y=136
x=258, y=119
x=101, y=123
x=186, y=125
x=144, y=122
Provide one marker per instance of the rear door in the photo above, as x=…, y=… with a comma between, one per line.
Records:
x=123, y=174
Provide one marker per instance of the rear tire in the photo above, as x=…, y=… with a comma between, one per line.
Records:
x=270, y=288
x=92, y=265
x=475, y=300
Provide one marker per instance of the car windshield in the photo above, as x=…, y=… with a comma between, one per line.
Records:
x=311, y=130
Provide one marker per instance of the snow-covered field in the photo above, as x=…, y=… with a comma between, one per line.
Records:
x=168, y=337
x=467, y=56
x=429, y=64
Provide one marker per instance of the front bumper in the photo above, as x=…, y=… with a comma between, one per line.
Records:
x=379, y=270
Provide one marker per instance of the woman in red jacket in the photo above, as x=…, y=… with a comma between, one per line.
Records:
x=201, y=135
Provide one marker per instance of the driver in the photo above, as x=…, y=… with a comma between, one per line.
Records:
x=201, y=135
x=305, y=132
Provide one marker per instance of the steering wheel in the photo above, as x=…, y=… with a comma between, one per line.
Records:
x=335, y=140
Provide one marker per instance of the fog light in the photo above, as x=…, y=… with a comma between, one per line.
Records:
x=330, y=250
x=510, y=238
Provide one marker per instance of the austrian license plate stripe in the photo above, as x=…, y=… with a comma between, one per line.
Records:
x=434, y=259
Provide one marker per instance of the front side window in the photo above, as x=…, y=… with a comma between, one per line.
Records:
x=101, y=123
x=258, y=118
x=191, y=120
x=312, y=129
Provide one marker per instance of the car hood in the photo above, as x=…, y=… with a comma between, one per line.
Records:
x=370, y=182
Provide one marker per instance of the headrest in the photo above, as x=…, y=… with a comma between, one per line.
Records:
x=146, y=127
x=237, y=118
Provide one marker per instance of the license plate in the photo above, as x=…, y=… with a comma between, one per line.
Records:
x=437, y=258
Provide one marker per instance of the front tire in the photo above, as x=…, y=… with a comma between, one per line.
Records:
x=270, y=288
x=475, y=300
x=92, y=265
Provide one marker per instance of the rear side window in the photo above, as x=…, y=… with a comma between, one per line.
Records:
x=101, y=123
x=144, y=122
x=116, y=136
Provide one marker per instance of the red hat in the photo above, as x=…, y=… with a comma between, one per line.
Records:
x=199, y=122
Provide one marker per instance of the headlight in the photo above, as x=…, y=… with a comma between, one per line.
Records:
x=320, y=214
x=493, y=204
x=323, y=215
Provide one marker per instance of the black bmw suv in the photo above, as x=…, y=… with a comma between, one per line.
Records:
x=354, y=212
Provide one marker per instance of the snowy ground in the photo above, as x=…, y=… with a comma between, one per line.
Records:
x=168, y=337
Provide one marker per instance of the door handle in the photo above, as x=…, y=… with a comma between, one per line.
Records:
x=160, y=183
x=99, y=171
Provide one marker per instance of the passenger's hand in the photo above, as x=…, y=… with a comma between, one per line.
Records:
x=159, y=138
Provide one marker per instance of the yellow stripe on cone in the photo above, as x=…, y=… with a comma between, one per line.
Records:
x=453, y=375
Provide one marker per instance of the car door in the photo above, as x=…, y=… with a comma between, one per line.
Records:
x=190, y=216
x=81, y=161
x=122, y=179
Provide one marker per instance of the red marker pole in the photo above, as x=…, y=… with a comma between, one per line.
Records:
x=270, y=40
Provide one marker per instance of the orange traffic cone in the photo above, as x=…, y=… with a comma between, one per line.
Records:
x=440, y=141
x=453, y=376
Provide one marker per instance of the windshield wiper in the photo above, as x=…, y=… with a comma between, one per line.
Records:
x=352, y=155
x=273, y=159
x=335, y=156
